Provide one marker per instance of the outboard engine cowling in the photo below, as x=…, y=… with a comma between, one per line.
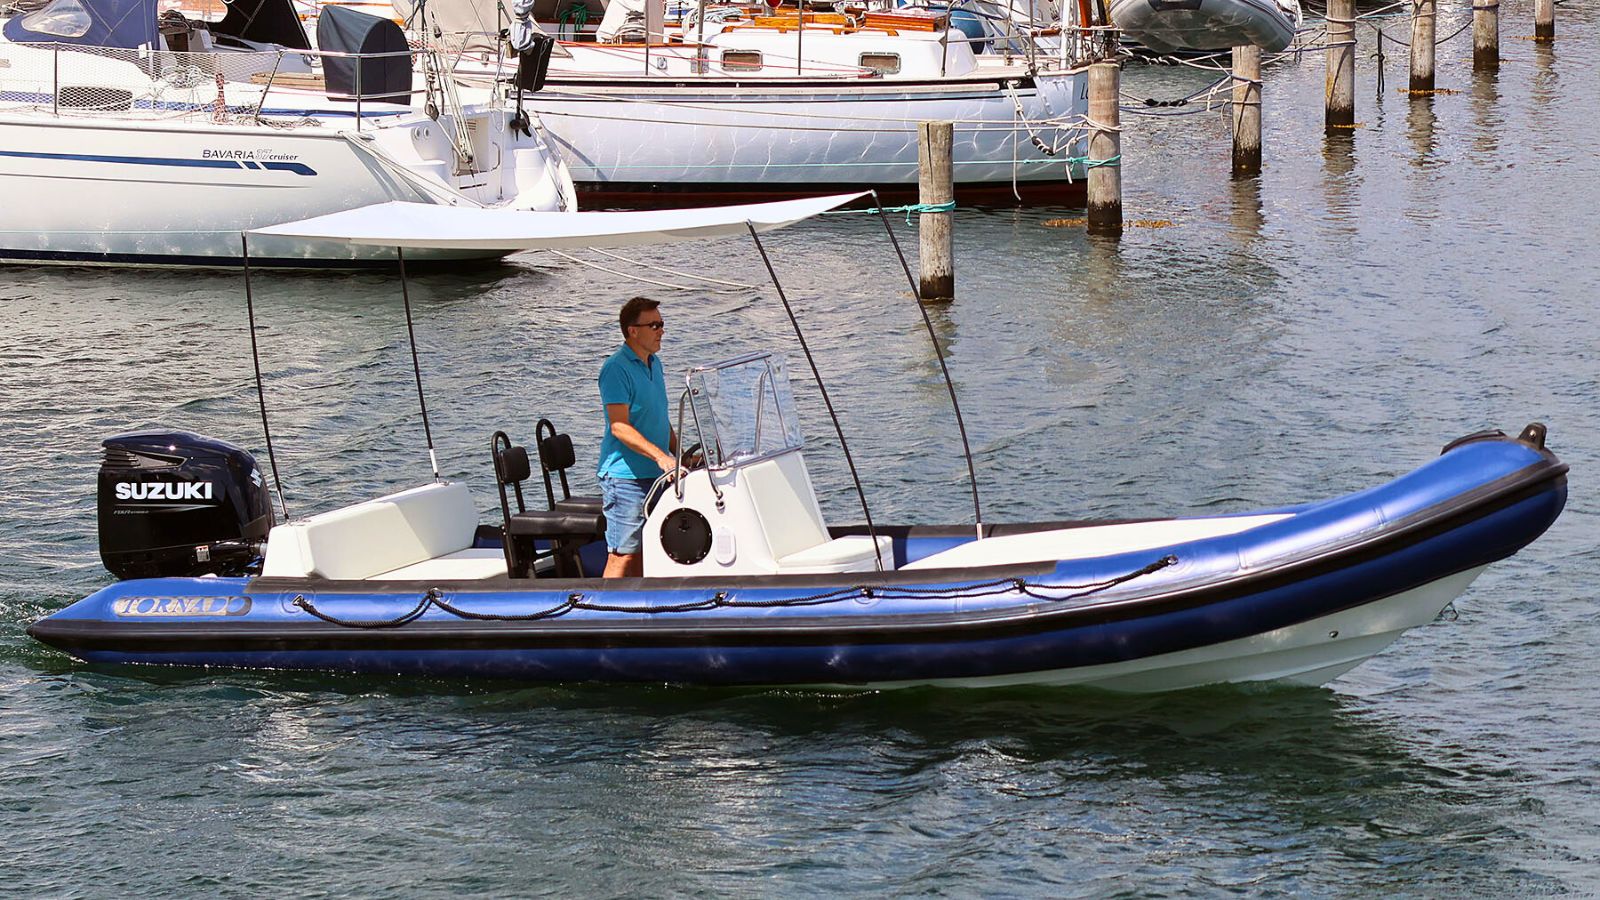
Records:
x=173, y=503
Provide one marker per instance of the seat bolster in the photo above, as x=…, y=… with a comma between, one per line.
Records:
x=590, y=505
x=556, y=523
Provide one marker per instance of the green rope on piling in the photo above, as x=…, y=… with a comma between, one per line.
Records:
x=1114, y=162
x=910, y=209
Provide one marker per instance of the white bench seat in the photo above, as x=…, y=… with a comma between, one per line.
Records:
x=463, y=565
x=852, y=553
x=1089, y=542
x=380, y=537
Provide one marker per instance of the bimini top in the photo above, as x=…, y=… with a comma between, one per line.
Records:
x=96, y=23
x=131, y=24
x=401, y=224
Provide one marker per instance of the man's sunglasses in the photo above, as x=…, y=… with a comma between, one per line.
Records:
x=656, y=326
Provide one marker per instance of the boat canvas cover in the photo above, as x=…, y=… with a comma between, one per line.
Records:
x=266, y=22
x=129, y=24
x=385, y=78
x=132, y=24
x=402, y=224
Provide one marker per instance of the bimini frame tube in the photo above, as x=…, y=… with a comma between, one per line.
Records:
x=261, y=395
x=933, y=337
x=838, y=429
x=255, y=357
x=416, y=368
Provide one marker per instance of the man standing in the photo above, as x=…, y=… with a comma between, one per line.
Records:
x=633, y=388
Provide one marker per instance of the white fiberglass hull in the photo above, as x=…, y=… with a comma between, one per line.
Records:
x=115, y=192
x=112, y=159
x=1310, y=653
x=638, y=139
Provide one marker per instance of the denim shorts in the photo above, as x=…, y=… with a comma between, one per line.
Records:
x=623, y=504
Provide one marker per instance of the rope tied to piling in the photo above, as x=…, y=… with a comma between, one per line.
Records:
x=910, y=209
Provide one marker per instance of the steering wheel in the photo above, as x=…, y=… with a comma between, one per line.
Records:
x=659, y=488
x=693, y=458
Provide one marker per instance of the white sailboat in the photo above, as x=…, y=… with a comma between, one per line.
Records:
x=128, y=138
x=727, y=102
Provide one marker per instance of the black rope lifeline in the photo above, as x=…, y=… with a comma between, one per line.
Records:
x=722, y=599
x=255, y=357
x=428, y=599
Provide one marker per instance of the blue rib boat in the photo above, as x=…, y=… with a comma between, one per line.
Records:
x=410, y=584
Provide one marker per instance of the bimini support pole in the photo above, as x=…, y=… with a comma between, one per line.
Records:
x=966, y=448
x=416, y=368
x=872, y=533
x=255, y=357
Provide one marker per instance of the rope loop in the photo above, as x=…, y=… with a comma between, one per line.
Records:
x=429, y=598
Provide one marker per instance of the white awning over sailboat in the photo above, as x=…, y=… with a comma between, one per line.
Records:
x=423, y=225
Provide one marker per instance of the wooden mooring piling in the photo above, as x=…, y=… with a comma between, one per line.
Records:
x=1246, y=111
x=935, y=226
x=1105, y=147
x=1485, y=35
x=1544, y=20
x=1339, y=91
x=1424, y=25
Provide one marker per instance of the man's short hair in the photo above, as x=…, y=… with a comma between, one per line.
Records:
x=632, y=310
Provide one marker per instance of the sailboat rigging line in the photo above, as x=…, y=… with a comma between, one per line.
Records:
x=642, y=280
x=618, y=256
x=255, y=357
x=872, y=532
x=416, y=368
x=961, y=425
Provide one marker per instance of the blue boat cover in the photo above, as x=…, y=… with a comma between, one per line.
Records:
x=129, y=24
x=132, y=24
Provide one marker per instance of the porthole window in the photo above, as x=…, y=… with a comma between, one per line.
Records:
x=741, y=60
x=882, y=63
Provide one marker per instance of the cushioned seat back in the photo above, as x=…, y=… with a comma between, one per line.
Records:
x=376, y=536
x=785, y=504
x=556, y=453
x=511, y=464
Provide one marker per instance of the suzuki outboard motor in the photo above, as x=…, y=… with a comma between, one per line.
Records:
x=174, y=503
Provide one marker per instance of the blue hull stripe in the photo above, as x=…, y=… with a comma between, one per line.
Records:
x=231, y=262
x=296, y=168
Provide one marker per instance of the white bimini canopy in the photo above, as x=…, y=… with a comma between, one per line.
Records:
x=424, y=225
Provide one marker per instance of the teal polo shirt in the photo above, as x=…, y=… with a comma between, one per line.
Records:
x=625, y=378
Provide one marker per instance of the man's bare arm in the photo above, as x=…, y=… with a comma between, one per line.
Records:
x=623, y=430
